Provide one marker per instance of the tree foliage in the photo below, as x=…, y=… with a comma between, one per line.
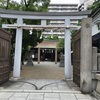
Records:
x=94, y=7
x=35, y=5
x=54, y=37
x=25, y=5
x=61, y=43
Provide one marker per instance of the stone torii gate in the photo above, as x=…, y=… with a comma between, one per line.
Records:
x=43, y=16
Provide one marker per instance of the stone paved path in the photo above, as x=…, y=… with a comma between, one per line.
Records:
x=42, y=82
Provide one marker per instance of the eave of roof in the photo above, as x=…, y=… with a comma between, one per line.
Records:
x=96, y=37
x=47, y=44
x=93, y=15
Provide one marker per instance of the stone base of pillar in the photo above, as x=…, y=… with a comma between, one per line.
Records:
x=29, y=63
x=15, y=78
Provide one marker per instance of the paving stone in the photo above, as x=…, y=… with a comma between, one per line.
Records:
x=65, y=96
x=17, y=99
x=83, y=96
x=27, y=84
x=54, y=88
x=75, y=88
x=20, y=95
x=51, y=98
x=71, y=83
x=67, y=89
x=35, y=96
x=28, y=87
x=51, y=95
x=44, y=88
x=4, y=95
x=30, y=80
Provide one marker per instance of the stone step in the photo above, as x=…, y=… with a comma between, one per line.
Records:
x=41, y=91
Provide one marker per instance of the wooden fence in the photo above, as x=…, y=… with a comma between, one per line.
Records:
x=76, y=57
x=5, y=38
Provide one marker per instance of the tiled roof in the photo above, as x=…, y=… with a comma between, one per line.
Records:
x=47, y=44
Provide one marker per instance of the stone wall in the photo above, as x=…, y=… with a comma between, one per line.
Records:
x=98, y=61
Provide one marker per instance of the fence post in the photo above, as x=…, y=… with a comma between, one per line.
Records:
x=94, y=58
x=94, y=67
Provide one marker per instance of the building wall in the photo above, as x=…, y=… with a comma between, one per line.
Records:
x=63, y=7
x=60, y=8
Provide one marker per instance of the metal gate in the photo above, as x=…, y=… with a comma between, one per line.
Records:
x=4, y=56
x=76, y=58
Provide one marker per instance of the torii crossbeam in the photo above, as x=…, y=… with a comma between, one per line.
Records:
x=41, y=27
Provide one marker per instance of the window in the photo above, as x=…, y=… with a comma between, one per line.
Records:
x=99, y=26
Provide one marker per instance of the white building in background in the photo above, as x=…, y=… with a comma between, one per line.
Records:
x=83, y=4
x=60, y=8
x=96, y=22
x=95, y=17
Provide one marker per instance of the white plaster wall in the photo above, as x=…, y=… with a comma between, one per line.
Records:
x=95, y=29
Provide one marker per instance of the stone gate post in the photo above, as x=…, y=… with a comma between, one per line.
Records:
x=86, y=56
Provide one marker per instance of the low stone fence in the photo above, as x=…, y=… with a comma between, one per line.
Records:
x=98, y=61
x=96, y=73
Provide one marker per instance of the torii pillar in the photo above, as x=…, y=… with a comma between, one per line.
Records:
x=67, y=51
x=18, y=50
x=43, y=22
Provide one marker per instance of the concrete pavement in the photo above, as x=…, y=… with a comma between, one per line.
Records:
x=42, y=89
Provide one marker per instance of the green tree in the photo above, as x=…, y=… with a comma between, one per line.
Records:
x=54, y=37
x=25, y=5
x=94, y=7
x=60, y=44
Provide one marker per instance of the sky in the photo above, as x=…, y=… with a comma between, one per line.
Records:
x=60, y=1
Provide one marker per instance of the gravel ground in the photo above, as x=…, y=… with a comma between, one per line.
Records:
x=44, y=70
